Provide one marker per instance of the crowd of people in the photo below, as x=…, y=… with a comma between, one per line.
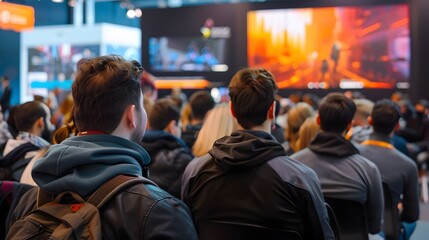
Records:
x=252, y=161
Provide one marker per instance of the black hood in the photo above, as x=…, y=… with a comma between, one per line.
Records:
x=245, y=149
x=155, y=141
x=332, y=144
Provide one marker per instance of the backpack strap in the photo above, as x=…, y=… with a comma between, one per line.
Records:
x=113, y=186
x=103, y=193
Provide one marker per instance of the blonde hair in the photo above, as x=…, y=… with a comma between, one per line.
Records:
x=363, y=111
x=185, y=115
x=307, y=132
x=219, y=122
x=295, y=118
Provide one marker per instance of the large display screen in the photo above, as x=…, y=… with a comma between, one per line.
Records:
x=332, y=47
x=177, y=54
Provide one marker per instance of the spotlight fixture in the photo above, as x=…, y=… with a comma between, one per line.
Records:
x=131, y=13
x=138, y=12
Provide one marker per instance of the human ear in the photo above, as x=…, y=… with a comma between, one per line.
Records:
x=232, y=110
x=131, y=111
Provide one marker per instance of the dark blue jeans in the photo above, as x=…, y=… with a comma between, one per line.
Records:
x=408, y=229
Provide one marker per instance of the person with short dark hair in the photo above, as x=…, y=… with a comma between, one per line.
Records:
x=397, y=170
x=168, y=152
x=32, y=120
x=246, y=178
x=109, y=114
x=342, y=171
x=200, y=103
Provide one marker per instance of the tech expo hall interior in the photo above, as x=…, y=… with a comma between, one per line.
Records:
x=374, y=47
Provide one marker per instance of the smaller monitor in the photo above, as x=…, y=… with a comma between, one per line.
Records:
x=187, y=54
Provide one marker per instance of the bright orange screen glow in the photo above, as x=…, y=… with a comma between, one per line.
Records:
x=334, y=47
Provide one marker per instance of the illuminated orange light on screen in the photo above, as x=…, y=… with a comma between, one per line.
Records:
x=359, y=21
x=356, y=64
x=182, y=83
x=384, y=58
x=16, y=17
x=367, y=83
x=399, y=23
x=370, y=29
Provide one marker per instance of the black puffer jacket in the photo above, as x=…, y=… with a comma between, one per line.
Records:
x=170, y=156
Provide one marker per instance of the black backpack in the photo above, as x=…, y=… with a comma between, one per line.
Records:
x=69, y=216
x=13, y=164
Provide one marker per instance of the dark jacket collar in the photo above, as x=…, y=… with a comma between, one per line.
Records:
x=245, y=149
x=157, y=140
x=332, y=144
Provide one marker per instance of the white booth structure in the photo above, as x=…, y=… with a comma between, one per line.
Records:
x=49, y=55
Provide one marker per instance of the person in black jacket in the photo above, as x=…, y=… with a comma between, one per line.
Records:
x=247, y=179
x=168, y=152
x=109, y=114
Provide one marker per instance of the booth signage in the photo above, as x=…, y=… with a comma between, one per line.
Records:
x=16, y=17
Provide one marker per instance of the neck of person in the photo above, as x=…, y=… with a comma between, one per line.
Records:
x=264, y=127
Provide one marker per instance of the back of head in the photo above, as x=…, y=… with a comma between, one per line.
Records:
x=397, y=96
x=363, y=111
x=28, y=113
x=385, y=116
x=297, y=115
x=311, y=99
x=218, y=123
x=307, y=132
x=336, y=112
x=295, y=118
x=163, y=112
x=252, y=91
x=295, y=97
x=104, y=87
x=5, y=79
x=201, y=102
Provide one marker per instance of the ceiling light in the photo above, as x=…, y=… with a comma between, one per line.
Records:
x=138, y=12
x=131, y=13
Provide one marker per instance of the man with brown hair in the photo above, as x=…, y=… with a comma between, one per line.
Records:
x=246, y=179
x=111, y=119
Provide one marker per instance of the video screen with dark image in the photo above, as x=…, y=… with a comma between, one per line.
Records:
x=59, y=61
x=187, y=54
x=332, y=47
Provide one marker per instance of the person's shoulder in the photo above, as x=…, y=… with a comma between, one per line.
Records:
x=404, y=158
x=290, y=169
x=147, y=191
x=291, y=164
x=363, y=161
x=304, y=154
x=198, y=163
x=26, y=203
